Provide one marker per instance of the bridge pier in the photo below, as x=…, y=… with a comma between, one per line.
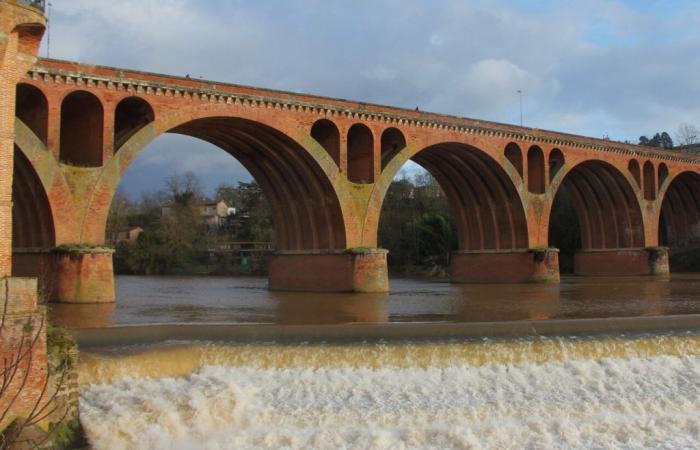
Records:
x=622, y=261
x=510, y=266
x=82, y=274
x=68, y=274
x=353, y=270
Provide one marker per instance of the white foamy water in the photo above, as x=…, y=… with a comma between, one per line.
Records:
x=611, y=402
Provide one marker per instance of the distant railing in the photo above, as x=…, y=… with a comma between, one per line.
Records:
x=38, y=4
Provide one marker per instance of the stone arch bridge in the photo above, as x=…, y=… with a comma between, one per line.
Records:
x=325, y=166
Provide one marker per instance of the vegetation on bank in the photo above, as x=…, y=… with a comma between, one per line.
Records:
x=177, y=240
x=416, y=226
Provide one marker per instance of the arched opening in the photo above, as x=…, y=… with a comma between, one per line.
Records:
x=32, y=108
x=460, y=199
x=535, y=170
x=33, y=233
x=595, y=208
x=360, y=154
x=326, y=133
x=131, y=114
x=636, y=172
x=663, y=174
x=515, y=156
x=416, y=224
x=393, y=142
x=649, y=181
x=82, y=118
x=556, y=162
x=275, y=198
x=679, y=222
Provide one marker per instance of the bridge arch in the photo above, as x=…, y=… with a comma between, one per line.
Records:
x=297, y=176
x=485, y=203
x=32, y=108
x=35, y=212
x=130, y=115
x=535, y=170
x=556, y=163
x=326, y=133
x=82, y=120
x=393, y=141
x=649, y=177
x=360, y=154
x=33, y=225
x=51, y=180
x=514, y=155
x=607, y=208
x=635, y=171
x=679, y=216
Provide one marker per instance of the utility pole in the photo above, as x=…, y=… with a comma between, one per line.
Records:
x=520, y=93
x=48, y=30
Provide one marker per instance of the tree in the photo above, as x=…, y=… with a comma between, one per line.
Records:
x=687, y=134
x=175, y=238
x=118, y=216
x=438, y=238
x=416, y=225
x=661, y=140
x=258, y=223
x=186, y=184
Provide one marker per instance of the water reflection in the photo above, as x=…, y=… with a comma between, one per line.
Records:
x=83, y=315
x=247, y=300
x=486, y=303
x=294, y=308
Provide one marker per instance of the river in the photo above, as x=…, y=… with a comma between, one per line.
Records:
x=613, y=390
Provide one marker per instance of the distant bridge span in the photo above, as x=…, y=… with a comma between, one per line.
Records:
x=325, y=166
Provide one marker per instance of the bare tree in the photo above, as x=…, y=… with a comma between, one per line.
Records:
x=687, y=134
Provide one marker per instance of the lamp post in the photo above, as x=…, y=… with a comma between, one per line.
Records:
x=520, y=93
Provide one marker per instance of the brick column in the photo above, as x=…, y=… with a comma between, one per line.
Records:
x=7, y=138
x=353, y=270
x=21, y=29
x=622, y=262
x=539, y=265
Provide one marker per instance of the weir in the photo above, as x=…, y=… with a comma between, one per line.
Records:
x=388, y=395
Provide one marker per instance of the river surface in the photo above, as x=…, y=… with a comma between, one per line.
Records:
x=616, y=391
x=143, y=300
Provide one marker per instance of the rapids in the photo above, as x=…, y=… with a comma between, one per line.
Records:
x=610, y=392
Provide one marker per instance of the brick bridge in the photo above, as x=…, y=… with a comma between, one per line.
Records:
x=325, y=166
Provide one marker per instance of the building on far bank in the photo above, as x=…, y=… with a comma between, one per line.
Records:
x=128, y=235
x=215, y=214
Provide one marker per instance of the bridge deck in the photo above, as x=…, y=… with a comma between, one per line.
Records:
x=170, y=83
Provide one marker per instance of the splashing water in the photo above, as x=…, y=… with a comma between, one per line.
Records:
x=551, y=393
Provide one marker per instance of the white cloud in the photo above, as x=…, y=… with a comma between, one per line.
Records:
x=586, y=66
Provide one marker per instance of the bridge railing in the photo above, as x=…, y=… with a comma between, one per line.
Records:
x=36, y=4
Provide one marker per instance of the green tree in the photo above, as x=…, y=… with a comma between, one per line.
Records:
x=257, y=223
x=661, y=140
x=438, y=238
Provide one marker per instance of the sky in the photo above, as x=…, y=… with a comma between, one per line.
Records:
x=617, y=68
